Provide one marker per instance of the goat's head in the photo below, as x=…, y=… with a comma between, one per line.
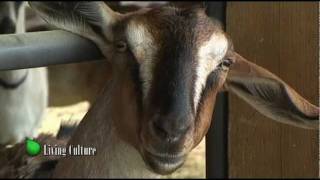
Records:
x=183, y=60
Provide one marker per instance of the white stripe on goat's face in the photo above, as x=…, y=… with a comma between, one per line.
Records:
x=210, y=55
x=144, y=48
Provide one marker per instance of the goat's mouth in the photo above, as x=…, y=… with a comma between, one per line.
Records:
x=162, y=156
x=163, y=163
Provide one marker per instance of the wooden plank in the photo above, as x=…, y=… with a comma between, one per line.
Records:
x=253, y=139
x=267, y=34
x=299, y=67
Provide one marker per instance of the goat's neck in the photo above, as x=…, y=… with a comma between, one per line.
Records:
x=115, y=157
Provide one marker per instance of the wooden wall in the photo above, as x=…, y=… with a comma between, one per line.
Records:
x=282, y=37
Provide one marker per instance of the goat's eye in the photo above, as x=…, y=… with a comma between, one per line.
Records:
x=226, y=63
x=121, y=46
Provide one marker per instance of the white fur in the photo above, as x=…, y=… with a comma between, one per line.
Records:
x=144, y=48
x=209, y=56
x=21, y=109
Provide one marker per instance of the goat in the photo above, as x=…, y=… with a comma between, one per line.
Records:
x=23, y=93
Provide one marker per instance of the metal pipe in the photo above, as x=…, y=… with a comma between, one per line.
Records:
x=37, y=49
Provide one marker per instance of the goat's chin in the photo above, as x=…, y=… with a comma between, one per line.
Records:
x=163, y=164
x=163, y=158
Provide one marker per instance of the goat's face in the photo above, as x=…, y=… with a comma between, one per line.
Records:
x=181, y=66
x=180, y=54
x=177, y=61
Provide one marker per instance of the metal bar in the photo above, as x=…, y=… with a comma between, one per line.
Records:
x=217, y=136
x=37, y=49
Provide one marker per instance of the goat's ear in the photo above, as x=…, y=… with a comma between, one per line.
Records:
x=269, y=95
x=93, y=20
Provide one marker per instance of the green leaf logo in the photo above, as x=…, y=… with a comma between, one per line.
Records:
x=33, y=147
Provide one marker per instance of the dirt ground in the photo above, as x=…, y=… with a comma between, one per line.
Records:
x=194, y=166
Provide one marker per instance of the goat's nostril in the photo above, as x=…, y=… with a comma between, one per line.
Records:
x=168, y=131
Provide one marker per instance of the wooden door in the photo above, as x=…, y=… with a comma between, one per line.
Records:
x=283, y=38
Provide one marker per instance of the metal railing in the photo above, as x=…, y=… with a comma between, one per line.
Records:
x=37, y=49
